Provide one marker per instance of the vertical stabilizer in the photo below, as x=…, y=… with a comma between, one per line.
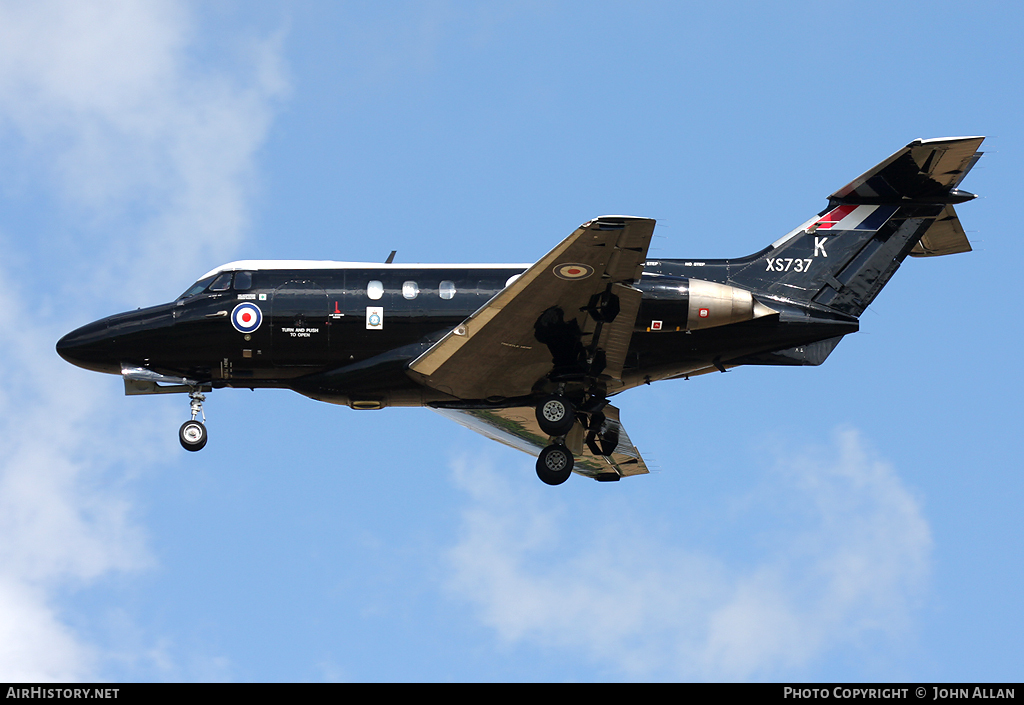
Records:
x=844, y=256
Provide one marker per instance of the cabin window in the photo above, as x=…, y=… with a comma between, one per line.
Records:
x=375, y=290
x=410, y=290
x=447, y=289
x=221, y=283
x=243, y=281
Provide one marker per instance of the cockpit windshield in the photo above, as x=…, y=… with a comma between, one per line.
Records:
x=197, y=288
x=221, y=283
x=239, y=281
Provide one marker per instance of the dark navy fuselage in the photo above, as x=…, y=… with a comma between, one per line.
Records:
x=316, y=321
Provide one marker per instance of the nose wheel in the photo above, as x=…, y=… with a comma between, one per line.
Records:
x=192, y=434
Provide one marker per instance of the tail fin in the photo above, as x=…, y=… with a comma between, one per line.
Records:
x=843, y=257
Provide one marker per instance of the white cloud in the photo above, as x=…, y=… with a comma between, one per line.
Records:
x=845, y=557
x=149, y=153
x=65, y=517
x=152, y=149
x=34, y=645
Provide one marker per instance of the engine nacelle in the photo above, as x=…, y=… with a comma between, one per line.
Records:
x=679, y=304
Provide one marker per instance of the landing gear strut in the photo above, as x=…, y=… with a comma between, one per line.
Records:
x=192, y=434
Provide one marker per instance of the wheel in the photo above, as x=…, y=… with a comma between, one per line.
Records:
x=556, y=416
x=554, y=465
x=192, y=435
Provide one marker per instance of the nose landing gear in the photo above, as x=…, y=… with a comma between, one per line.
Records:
x=192, y=434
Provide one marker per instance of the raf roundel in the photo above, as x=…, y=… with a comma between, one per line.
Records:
x=246, y=317
x=573, y=271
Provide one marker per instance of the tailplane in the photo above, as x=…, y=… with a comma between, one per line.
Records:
x=843, y=257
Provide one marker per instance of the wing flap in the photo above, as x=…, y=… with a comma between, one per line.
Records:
x=517, y=427
x=614, y=337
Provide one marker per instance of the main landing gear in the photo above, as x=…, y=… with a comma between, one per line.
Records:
x=192, y=434
x=556, y=417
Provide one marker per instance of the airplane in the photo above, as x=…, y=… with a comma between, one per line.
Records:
x=530, y=354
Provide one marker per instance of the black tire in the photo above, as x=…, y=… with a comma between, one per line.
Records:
x=554, y=465
x=556, y=416
x=193, y=436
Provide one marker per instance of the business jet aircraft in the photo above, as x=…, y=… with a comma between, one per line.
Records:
x=529, y=355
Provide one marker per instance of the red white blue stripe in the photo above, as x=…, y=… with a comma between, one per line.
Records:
x=852, y=217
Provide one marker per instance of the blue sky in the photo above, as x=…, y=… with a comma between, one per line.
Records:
x=856, y=521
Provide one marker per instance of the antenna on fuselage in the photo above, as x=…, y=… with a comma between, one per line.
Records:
x=391, y=257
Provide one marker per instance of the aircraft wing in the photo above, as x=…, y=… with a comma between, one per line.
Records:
x=517, y=427
x=498, y=351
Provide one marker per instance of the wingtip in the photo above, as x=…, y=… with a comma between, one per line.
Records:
x=614, y=220
x=933, y=140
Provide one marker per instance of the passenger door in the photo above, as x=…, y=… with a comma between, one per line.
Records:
x=300, y=331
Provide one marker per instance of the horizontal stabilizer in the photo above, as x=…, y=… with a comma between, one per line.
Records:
x=945, y=237
x=925, y=171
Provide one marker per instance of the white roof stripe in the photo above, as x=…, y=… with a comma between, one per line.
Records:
x=254, y=265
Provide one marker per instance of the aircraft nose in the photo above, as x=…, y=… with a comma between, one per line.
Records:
x=90, y=347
